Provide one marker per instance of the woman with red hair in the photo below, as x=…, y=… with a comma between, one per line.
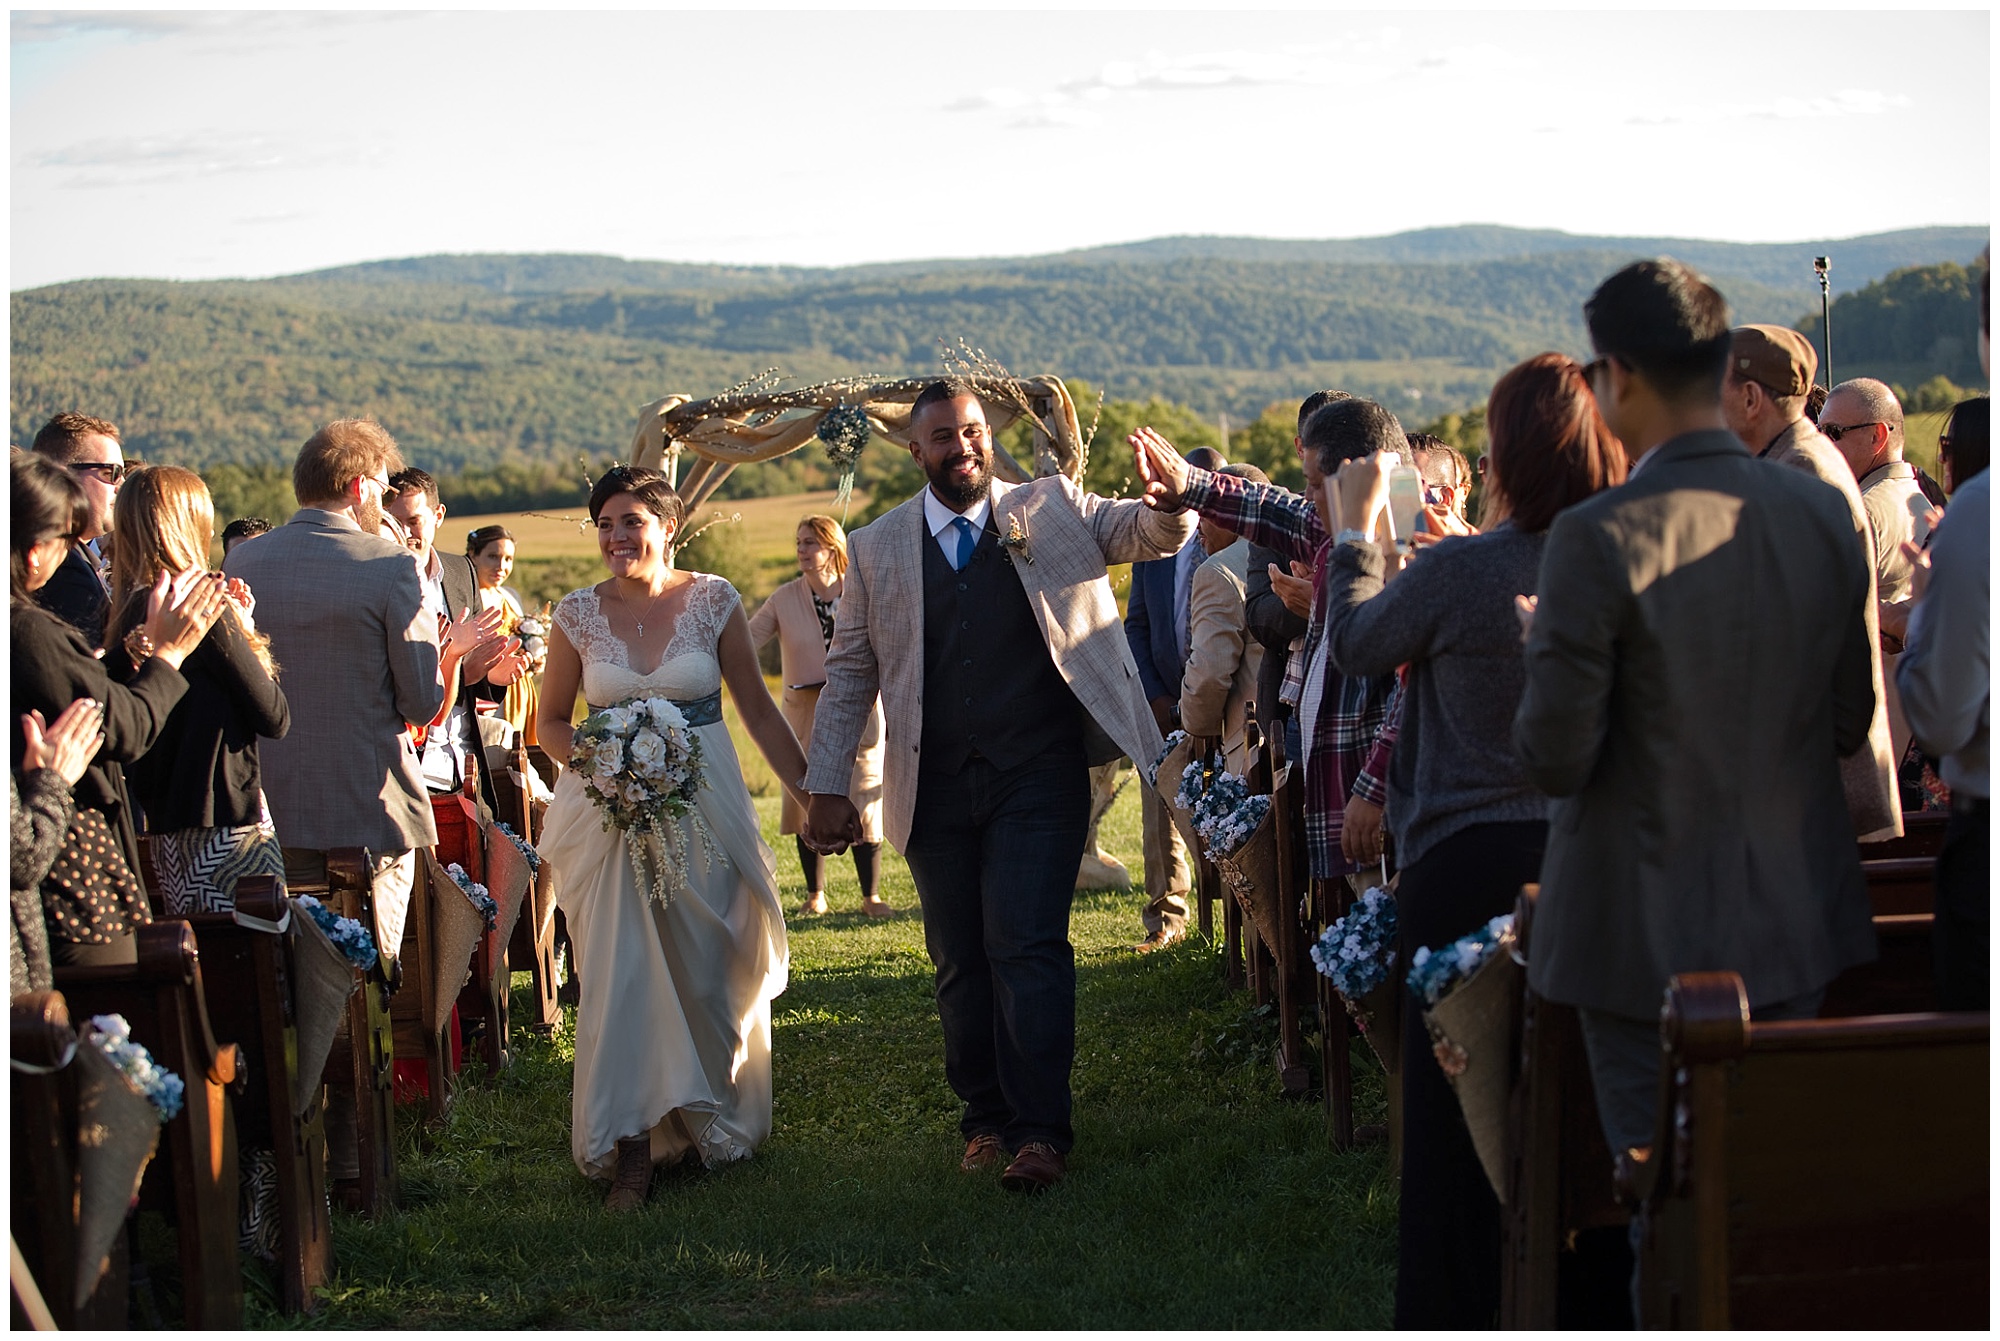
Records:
x=1468, y=825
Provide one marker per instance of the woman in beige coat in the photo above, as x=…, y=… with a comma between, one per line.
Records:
x=800, y=615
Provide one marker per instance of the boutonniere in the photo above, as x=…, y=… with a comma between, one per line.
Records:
x=1017, y=540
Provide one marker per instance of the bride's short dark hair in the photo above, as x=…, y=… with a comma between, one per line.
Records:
x=650, y=487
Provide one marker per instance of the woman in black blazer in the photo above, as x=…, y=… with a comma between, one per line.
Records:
x=92, y=898
x=200, y=785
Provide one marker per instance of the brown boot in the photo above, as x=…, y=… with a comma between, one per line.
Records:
x=634, y=1175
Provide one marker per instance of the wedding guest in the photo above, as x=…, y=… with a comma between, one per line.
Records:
x=1769, y=370
x=800, y=615
x=1277, y=605
x=491, y=551
x=345, y=612
x=1966, y=444
x=53, y=758
x=982, y=614
x=1156, y=629
x=1945, y=680
x=200, y=785
x=240, y=530
x=1697, y=666
x=93, y=897
x=91, y=450
x=1223, y=659
x=1864, y=421
x=1469, y=825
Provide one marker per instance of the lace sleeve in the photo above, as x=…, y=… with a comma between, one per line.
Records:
x=573, y=614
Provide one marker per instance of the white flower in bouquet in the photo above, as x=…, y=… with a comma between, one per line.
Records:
x=618, y=720
x=608, y=757
x=649, y=754
x=665, y=714
x=636, y=793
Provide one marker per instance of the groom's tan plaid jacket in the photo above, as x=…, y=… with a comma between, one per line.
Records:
x=878, y=641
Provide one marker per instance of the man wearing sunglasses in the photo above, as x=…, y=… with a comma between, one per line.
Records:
x=1864, y=421
x=1764, y=403
x=92, y=451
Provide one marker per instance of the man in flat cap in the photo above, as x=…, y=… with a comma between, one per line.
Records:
x=1764, y=402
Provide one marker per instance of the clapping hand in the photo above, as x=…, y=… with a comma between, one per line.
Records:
x=1294, y=589
x=1161, y=469
x=69, y=745
x=1358, y=492
x=180, y=610
x=498, y=660
x=457, y=638
x=238, y=592
x=1524, y=610
x=1920, y=558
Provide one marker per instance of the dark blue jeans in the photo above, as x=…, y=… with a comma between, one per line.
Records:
x=995, y=856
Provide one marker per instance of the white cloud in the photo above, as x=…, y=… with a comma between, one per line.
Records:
x=142, y=160
x=1847, y=102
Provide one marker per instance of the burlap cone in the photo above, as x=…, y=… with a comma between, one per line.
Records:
x=1251, y=872
x=322, y=980
x=1473, y=1031
x=118, y=1129
x=508, y=878
x=459, y=926
x=1167, y=782
x=1379, y=1016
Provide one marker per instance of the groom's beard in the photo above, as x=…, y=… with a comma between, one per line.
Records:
x=961, y=493
x=368, y=512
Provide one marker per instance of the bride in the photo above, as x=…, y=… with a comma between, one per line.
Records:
x=673, y=1026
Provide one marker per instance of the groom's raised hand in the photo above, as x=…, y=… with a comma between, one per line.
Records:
x=832, y=823
x=1161, y=469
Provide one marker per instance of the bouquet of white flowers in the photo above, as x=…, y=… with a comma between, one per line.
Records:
x=640, y=762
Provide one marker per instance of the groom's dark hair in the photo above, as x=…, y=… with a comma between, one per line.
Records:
x=946, y=388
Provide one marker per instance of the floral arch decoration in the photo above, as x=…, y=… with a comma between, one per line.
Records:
x=759, y=421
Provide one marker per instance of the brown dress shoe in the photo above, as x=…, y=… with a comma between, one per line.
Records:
x=634, y=1176
x=983, y=1151
x=1159, y=940
x=1037, y=1167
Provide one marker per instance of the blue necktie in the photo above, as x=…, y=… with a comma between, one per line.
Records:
x=965, y=543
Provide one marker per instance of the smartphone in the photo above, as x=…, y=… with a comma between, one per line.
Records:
x=1406, y=503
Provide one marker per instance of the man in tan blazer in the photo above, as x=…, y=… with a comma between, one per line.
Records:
x=982, y=614
x=1764, y=403
x=1220, y=677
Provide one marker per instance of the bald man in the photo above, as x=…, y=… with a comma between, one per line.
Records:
x=1864, y=420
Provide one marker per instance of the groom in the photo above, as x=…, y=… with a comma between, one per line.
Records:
x=981, y=613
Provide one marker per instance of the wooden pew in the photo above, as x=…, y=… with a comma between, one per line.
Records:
x=414, y=1006
x=1288, y=972
x=1562, y=1222
x=534, y=939
x=363, y=1055
x=1923, y=836
x=45, y=1175
x=194, y=1179
x=1770, y=1199
x=249, y=972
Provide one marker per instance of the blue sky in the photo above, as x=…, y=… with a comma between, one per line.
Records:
x=252, y=143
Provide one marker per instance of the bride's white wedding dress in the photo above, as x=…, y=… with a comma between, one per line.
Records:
x=673, y=1024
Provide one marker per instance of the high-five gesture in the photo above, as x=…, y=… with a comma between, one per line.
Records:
x=1161, y=469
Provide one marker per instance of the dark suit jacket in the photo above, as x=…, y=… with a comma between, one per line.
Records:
x=1149, y=628
x=1271, y=624
x=1698, y=666
x=52, y=668
x=75, y=594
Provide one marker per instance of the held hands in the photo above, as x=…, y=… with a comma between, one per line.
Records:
x=1161, y=469
x=1294, y=590
x=832, y=824
x=69, y=745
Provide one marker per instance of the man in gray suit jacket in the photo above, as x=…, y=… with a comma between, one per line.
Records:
x=982, y=614
x=1697, y=667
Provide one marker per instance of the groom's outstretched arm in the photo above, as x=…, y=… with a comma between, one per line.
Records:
x=853, y=680
x=1127, y=531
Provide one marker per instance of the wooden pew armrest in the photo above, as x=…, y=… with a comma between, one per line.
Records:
x=41, y=1036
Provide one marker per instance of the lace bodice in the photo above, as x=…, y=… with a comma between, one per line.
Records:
x=688, y=667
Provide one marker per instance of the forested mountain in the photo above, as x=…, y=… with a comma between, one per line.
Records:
x=479, y=361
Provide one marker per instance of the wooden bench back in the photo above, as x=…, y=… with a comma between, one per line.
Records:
x=1817, y=1173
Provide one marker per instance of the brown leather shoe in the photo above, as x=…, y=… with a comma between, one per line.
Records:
x=1037, y=1167
x=983, y=1151
x=1159, y=940
x=634, y=1176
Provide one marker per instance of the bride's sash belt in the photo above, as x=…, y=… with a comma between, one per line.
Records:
x=705, y=711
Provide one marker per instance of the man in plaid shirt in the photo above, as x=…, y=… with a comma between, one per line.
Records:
x=1339, y=716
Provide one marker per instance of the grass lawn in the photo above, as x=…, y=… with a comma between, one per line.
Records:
x=1196, y=1198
